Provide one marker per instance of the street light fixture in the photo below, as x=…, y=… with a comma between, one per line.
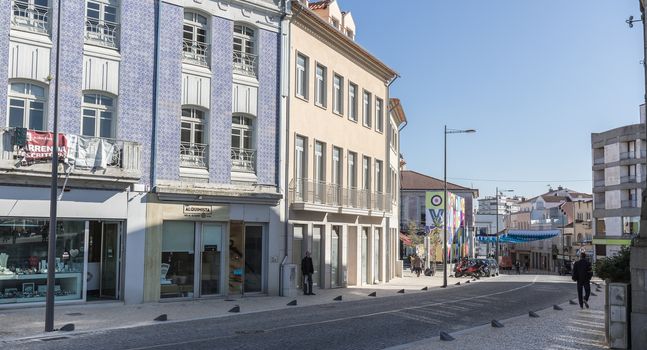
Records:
x=448, y=131
x=497, y=221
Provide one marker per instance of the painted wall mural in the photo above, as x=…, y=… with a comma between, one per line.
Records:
x=457, y=237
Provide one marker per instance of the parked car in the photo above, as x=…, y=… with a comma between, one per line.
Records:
x=494, y=267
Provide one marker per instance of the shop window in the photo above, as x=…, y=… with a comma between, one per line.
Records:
x=23, y=260
x=178, y=259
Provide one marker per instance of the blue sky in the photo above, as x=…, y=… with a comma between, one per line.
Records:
x=535, y=78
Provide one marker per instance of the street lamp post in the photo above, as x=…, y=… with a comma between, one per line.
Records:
x=51, y=239
x=447, y=131
x=497, y=222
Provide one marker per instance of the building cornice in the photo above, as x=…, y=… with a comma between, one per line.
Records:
x=314, y=25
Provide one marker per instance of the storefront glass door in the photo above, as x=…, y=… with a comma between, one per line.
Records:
x=316, y=253
x=376, y=255
x=211, y=250
x=297, y=252
x=364, y=255
x=253, y=259
x=110, y=251
x=236, y=257
x=334, y=256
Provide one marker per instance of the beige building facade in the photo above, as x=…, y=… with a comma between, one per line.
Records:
x=340, y=171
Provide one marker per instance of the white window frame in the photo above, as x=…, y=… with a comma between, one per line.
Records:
x=366, y=108
x=102, y=31
x=352, y=170
x=338, y=94
x=300, y=158
x=319, y=162
x=321, y=75
x=99, y=109
x=379, y=115
x=31, y=15
x=337, y=167
x=352, y=101
x=195, y=51
x=366, y=173
x=379, y=169
x=245, y=56
x=244, y=158
x=29, y=101
x=193, y=154
x=301, y=84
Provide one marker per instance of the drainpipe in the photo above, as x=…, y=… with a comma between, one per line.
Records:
x=284, y=89
x=388, y=161
x=153, y=180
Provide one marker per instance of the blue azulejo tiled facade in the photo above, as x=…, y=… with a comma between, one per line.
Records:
x=132, y=74
x=268, y=101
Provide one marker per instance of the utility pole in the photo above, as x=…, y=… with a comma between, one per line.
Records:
x=51, y=239
x=638, y=262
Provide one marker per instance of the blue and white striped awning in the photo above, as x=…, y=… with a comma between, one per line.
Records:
x=520, y=236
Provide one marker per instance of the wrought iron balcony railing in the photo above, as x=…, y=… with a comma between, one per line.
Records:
x=196, y=52
x=30, y=17
x=245, y=63
x=124, y=159
x=193, y=155
x=318, y=192
x=103, y=33
x=243, y=159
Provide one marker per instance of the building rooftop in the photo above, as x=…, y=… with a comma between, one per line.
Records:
x=411, y=180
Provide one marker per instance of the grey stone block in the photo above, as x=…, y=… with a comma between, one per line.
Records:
x=638, y=329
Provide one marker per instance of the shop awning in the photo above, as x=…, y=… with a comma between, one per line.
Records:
x=520, y=236
x=405, y=239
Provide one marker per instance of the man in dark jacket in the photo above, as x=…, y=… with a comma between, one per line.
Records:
x=307, y=269
x=582, y=274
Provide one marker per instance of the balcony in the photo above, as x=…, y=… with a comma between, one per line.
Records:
x=627, y=155
x=89, y=160
x=102, y=33
x=245, y=63
x=321, y=196
x=243, y=159
x=193, y=155
x=630, y=203
x=195, y=52
x=628, y=179
x=30, y=17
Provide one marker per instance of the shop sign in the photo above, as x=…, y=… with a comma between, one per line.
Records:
x=198, y=210
x=39, y=145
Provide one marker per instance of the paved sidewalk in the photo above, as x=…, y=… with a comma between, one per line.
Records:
x=28, y=322
x=568, y=329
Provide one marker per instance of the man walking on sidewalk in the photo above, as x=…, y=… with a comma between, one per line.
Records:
x=582, y=274
x=307, y=269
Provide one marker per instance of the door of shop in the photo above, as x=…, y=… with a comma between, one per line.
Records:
x=246, y=249
x=104, y=260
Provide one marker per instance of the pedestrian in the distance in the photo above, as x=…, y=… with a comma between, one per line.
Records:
x=517, y=266
x=417, y=265
x=582, y=274
x=307, y=269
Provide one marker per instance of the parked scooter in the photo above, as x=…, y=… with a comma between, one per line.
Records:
x=469, y=268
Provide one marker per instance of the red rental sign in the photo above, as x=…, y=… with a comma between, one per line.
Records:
x=40, y=145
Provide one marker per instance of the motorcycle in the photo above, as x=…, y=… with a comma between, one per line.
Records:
x=469, y=268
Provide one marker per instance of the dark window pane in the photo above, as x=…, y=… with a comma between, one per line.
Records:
x=106, y=128
x=16, y=117
x=88, y=127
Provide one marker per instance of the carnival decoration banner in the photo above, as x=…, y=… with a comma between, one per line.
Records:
x=457, y=243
